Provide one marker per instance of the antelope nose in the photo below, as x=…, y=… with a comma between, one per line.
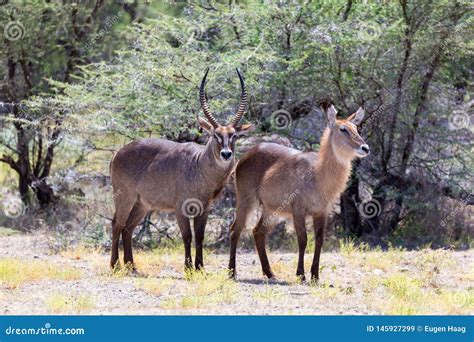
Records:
x=365, y=148
x=226, y=154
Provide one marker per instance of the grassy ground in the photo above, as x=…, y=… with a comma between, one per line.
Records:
x=354, y=280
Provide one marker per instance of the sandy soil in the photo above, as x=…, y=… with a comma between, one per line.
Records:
x=346, y=287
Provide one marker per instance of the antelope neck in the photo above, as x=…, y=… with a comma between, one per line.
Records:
x=332, y=172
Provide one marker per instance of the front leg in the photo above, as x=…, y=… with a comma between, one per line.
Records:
x=199, y=229
x=300, y=228
x=185, y=228
x=320, y=221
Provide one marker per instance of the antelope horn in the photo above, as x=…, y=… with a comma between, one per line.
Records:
x=243, y=101
x=204, y=105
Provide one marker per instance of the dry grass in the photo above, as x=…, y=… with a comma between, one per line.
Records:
x=15, y=272
x=80, y=253
x=408, y=296
x=8, y=231
x=148, y=263
x=347, y=247
x=391, y=282
x=286, y=271
x=409, y=283
x=62, y=303
x=154, y=286
x=205, y=290
x=325, y=291
x=268, y=294
x=431, y=263
x=405, y=295
x=355, y=280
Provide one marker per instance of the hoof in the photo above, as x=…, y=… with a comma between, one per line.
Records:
x=314, y=278
x=115, y=267
x=232, y=274
x=135, y=273
x=127, y=269
x=115, y=264
x=130, y=266
x=301, y=278
x=269, y=274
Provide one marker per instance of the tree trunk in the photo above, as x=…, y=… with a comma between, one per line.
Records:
x=44, y=193
x=24, y=176
x=29, y=176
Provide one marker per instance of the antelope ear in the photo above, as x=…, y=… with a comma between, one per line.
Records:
x=357, y=117
x=332, y=112
x=205, y=125
x=244, y=129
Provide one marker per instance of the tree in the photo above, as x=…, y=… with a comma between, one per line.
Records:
x=43, y=40
x=406, y=62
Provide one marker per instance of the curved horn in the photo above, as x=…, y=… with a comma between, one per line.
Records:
x=243, y=101
x=204, y=105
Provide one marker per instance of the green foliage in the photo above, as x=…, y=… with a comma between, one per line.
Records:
x=132, y=75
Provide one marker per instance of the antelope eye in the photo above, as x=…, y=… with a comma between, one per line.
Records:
x=218, y=138
x=343, y=129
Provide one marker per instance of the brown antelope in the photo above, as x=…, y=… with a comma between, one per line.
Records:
x=157, y=174
x=289, y=183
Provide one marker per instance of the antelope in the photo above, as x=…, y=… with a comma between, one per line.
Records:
x=289, y=183
x=184, y=178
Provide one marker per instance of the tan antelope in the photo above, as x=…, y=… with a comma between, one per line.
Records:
x=158, y=174
x=289, y=183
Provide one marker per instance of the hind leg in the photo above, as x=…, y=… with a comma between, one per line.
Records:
x=116, y=229
x=242, y=212
x=300, y=228
x=136, y=216
x=123, y=206
x=260, y=233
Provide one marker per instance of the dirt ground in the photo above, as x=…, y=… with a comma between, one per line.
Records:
x=353, y=281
